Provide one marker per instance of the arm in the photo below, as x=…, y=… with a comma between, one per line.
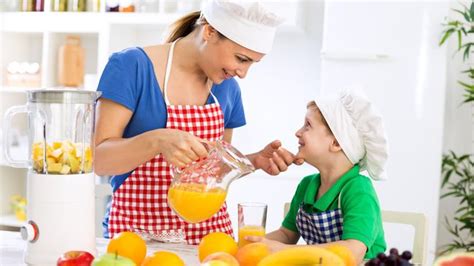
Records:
x=116, y=155
x=284, y=235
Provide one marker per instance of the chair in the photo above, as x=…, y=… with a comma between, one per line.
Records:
x=417, y=220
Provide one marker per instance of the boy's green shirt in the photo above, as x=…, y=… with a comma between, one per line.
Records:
x=359, y=204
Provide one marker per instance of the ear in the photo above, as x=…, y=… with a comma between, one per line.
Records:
x=335, y=146
x=209, y=33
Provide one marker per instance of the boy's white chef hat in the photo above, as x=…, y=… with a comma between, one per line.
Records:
x=359, y=130
x=247, y=23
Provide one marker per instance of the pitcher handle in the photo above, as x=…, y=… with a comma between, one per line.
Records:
x=12, y=111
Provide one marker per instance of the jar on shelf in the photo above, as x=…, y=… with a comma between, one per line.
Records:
x=112, y=5
x=28, y=5
x=126, y=6
x=71, y=63
x=79, y=5
x=39, y=5
x=59, y=5
x=93, y=5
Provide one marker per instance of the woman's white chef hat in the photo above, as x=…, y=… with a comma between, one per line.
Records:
x=359, y=130
x=247, y=23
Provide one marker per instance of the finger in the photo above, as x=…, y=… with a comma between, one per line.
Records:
x=280, y=163
x=253, y=238
x=199, y=149
x=287, y=156
x=298, y=161
x=272, y=168
x=275, y=144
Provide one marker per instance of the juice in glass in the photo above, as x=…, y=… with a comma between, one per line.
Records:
x=194, y=202
x=249, y=230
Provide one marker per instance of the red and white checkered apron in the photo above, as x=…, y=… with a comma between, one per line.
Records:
x=140, y=204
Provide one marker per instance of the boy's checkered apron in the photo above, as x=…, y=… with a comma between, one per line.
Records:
x=140, y=204
x=319, y=228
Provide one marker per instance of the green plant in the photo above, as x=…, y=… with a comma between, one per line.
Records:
x=463, y=29
x=462, y=166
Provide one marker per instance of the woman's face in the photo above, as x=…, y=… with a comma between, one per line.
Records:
x=223, y=59
x=314, y=138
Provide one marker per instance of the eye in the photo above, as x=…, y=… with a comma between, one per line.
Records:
x=241, y=59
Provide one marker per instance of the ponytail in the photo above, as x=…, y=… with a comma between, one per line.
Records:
x=184, y=26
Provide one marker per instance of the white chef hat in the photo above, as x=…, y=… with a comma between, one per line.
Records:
x=247, y=23
x=359, y=130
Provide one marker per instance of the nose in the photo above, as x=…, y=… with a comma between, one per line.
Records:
x=242, y=71
x=298, y=133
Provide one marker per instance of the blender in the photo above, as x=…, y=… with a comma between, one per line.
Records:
x=60, y=181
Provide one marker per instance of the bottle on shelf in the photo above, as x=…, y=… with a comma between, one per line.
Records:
x=79, y=5
x=59, y=5
x=39, y=5
x=28, y=5
x=71, y=63
x=111, y=5
x=93, y=5
x=126, y=6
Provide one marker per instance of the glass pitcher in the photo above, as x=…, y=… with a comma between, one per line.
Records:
x=198, y=191
x=60, y=131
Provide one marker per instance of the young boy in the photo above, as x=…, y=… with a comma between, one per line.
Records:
x=341, y=136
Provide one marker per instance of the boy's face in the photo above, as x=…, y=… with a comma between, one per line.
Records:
x=314, y=138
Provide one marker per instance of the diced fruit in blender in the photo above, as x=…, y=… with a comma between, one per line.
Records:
x=74, y=163
x=56, y=153
x=54, y=168
x=65, y=170
x=57, y=145
x=50, y=160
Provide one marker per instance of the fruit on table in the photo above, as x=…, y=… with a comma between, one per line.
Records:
x=344, y=253
x=183, y=199
x=129, y=245
x=252, y=254
x=110, y=259
x=220, y=259
x=216, y=242
x=62, y=158
x=302, y=256
x=75, y=258
x=456, y=259
x=393, y=259
x=163, y=258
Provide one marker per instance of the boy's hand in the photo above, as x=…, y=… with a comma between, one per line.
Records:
x=274, y=159
x=273, y=245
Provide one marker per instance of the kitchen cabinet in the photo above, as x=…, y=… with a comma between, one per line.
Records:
x=35, y=37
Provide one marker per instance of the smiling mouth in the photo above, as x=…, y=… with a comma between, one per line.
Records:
x=227, y=75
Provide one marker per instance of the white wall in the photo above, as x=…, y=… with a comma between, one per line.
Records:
x=275, y=93
x=458, y=129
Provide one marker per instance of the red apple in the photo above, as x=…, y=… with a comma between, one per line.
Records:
x=75, y=258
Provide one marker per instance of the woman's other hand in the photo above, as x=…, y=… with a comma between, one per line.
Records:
x=274, y=159
x=181, y=148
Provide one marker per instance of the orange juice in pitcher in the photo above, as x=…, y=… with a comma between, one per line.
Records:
x=198, y=191
x=249, y=230
x=194, y=202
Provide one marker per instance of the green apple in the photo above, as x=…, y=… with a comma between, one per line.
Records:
x=110, y=259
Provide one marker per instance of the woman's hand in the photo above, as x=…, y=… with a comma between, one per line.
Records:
x=180, y=148
x=274, y=159
x=273, y=245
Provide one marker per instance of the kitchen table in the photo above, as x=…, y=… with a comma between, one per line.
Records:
x=12, y=248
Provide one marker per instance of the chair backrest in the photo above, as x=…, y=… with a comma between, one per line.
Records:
x=419, y=222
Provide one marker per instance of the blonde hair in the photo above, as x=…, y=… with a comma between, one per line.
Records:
x=314, y=106
x=185, y=25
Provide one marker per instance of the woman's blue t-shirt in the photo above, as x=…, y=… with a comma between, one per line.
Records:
x=129, y=79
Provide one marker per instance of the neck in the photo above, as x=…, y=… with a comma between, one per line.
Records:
x=186, y=58
x=331, y=172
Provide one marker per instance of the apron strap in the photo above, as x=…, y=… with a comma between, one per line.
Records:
x=339, y=199
x=169, y=62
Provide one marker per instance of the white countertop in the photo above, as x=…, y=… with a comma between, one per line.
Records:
x=12, y=248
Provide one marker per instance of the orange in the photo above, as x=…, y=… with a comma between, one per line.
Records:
x=216, y=242
x=128, y=244
x=163, y=258
x=252, y=254
x=344, y=253
x=220, y=259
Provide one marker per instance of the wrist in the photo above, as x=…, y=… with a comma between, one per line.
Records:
x=252, y=158
x=156, y=140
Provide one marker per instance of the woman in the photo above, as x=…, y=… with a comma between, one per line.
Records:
x=160, y=103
